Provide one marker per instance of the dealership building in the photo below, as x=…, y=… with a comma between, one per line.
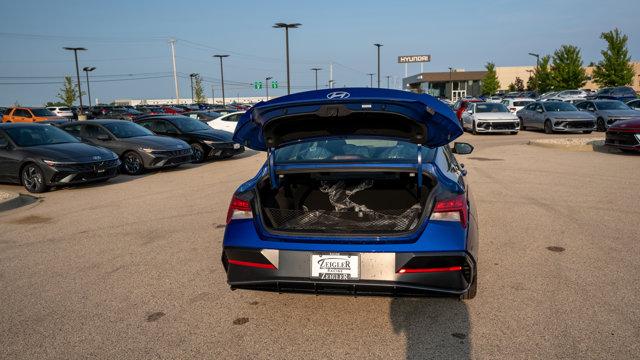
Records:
x=459, y=83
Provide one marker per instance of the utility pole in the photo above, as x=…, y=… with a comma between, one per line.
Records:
x=388, y=76
x=330, y=75
x=316, y=71
x=266, y=80
x=222, y=75
x=451, y=84
x=378, y=46
x=191, y=76
x=213, y=95
x=75, y=54
x=370, y=79
x=87, y=69
x=286, y=28
x=172, y=42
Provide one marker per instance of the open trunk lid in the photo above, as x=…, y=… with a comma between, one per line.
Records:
x=393, y=114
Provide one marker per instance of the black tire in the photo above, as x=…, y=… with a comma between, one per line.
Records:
x=548, y=129
x=522, y=127
x=132, y=163
x=587, y=132
x=32, y=178
x=473, y=289
x=198, y=153
x=600, y=126
x=474, y=131
x=514, y=133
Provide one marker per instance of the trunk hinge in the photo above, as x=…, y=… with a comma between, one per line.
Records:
x=419, y=172
x=272, y=169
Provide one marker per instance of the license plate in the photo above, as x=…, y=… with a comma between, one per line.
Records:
x=236, y=146
x=335, y=267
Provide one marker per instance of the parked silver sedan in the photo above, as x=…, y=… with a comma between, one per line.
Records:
x=607, y=112
x=556, y=116
x=486, y=117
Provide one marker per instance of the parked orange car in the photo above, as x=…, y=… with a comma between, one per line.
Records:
x=21, y=114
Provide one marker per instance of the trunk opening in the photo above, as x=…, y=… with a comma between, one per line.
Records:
x=381, y=203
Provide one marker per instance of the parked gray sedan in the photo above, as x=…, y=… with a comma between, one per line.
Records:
x=555, y=116
x=608, y=112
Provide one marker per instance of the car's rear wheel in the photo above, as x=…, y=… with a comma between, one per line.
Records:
x=473, y=289
x=548, y=129
x=522, y=127
x=587, y=132
x=600, y=125
x=33, y=179
x=198, y=153
x=132, y=163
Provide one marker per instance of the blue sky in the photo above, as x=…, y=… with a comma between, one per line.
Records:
x=130, y=37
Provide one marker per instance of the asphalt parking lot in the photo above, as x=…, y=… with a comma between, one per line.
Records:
x=130, y=269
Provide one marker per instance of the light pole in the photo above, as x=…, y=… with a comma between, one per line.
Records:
x=370, y=79
x=191, y=76
x=316, y=71
x=286, y=28
x=537, y=56
x=450, y=84
x=88, y=69
x=75, y=54
x=221, y=75
x=388, y=76
x=266, y=83
x=378, y=46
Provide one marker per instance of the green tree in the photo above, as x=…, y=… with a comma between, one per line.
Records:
x=542, y=74
x=567, y=71
x=490, y=83
x=614, y=69
x=198, y=91
x=54, y=103
x=512, y=87
x=68, y=93
x=532, y=83
x=519, y=84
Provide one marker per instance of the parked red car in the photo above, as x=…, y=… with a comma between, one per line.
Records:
x=624, y=135
x=172, y=110
x=461, y=106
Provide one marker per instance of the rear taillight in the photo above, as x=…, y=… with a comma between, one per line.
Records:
x=512, y=109
x=239, y=209
x=429, y=270
x=454, y=209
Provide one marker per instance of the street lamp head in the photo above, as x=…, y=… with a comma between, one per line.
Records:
x=316, y=69
x=74, y=48
x=88, y=68
x=221, y=56
x=193, y=75
x=378, y=45
x=281, y=25
x=533, y=54
x=267, y=78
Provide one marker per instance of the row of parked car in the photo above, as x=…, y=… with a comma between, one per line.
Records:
x=57, y=153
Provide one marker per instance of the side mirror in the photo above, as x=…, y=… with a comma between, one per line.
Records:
x=539, y=110
x=462, y=148
x=103, y=137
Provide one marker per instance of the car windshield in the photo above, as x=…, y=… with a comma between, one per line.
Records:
x=490, y=107
x=42, y=112
x=611, y=105
x=127, y=129
x=559, y=106
x=349, y=150
x=186, y=124
x=39, y=135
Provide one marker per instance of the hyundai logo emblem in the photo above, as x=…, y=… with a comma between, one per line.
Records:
x=338, y=95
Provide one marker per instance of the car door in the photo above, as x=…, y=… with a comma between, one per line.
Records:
x=525, y=114
x=467, y=116
x=229, y=123
x=22, y=115
x=9, y=160
x=97, y=135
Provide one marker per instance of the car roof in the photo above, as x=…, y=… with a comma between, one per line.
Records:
x=99, y=121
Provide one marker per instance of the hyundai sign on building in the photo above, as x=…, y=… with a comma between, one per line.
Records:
x=413, y=59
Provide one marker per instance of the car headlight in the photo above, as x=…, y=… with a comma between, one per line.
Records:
x=55, y=163
x=637, y=137
x=147, y=150
x=209, y=142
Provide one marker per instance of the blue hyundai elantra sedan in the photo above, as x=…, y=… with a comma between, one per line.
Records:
x=361, y=194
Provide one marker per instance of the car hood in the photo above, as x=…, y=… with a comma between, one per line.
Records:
x=496, y=116
x=70, y=152
x=633, y=124
x=619, y=113
x=570, y=115
x=156, y=142
x=213, y=134
x=401, y=115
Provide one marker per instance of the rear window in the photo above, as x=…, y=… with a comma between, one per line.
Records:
x=42, y=112
x=351, y=150
x=521, y=103
x=559, y=106
x=611, y=105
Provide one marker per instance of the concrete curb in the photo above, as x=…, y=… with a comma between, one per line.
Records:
x=574, y=144
x=16, y=200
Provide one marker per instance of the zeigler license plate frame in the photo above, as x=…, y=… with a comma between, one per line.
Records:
x=335, y=266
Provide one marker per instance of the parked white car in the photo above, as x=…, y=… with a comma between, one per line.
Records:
x=567, y=95
x=61, y=111
x=514, y=105
x=484, y=117
x=226, y=122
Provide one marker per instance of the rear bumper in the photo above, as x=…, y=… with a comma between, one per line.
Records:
x=379, y=273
